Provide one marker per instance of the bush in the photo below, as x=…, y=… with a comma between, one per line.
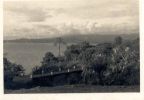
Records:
x=11, y=70
x=103, y=64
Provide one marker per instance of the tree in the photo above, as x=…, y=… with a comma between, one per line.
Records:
x=124, y=67
x=72, y=52
x=84, y=45
x=118, y=40
x=49, y=59
x=11, y=70
x=58, y=42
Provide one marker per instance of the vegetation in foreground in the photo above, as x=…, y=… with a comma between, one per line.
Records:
x=106, y=64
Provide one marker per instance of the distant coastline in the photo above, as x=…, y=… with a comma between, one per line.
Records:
x=75, y=38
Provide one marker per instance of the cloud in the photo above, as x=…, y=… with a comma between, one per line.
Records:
x=103, y=10
x=49, y=28
x=33, y=14
x=54, y=17
x=48, y=31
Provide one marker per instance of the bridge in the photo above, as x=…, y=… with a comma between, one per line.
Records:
x=52, y=73
x=61, y=77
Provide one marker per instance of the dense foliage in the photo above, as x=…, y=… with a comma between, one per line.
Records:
x=114, y=63
x=11, y=70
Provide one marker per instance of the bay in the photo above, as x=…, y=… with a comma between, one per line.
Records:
x=29, y=54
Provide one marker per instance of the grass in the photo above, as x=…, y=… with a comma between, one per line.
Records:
x=76, y=89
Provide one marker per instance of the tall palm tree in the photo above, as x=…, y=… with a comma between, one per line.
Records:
x=58, y=42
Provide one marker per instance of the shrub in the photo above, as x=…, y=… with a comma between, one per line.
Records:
x=11, y=70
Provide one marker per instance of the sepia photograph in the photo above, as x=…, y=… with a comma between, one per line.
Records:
x=71, y=46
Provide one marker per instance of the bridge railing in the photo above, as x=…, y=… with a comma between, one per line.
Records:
x=60, y=71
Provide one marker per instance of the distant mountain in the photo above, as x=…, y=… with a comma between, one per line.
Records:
x=77, y=38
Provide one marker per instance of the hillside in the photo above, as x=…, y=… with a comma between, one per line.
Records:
x=77, y=38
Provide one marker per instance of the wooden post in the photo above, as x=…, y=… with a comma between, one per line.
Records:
x=42, y=71
x=51, y=73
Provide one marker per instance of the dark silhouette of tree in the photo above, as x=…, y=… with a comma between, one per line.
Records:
x=118, y=40
x=49, y=59
x=72, y=52
x=94, y=60
x=84, y=45
x=11, y=70
x=16, y=69
x=124, y=66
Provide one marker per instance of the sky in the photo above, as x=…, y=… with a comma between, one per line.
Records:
x=53, y=18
